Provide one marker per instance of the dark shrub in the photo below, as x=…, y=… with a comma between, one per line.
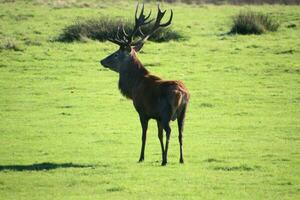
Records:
x=250, y=22
x=105, y=27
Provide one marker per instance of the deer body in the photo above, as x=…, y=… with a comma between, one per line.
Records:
x=153, y=98
x=150, y=93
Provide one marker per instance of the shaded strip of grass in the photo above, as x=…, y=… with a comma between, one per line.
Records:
x=42, y=166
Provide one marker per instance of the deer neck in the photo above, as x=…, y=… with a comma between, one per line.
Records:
x=131, y=75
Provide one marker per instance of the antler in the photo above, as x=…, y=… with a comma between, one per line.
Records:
x=157, y=25
x=127, y=39
x=139, y=22
x=117, y=40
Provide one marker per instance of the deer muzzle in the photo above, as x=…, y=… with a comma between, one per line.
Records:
x=103, y=63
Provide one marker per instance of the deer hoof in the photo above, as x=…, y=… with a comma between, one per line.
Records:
x=181, y=161
x=164, y=163
x=141, y=160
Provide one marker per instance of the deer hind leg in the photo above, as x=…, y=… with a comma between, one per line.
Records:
x=161, y=137
x=167, y=129
x=180, y=122
x=166, y=113
x=144, y=123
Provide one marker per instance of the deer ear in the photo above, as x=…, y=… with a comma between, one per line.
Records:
x=138, y=46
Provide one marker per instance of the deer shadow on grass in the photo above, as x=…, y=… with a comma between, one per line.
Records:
x=42, y=166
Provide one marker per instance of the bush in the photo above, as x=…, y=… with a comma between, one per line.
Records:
x=250, y=22
x=104, y=28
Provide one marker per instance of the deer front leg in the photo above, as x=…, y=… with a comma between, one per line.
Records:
x=161, y=137
x=144, y=123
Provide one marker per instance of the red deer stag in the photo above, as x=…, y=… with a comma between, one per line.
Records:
x=153, y=98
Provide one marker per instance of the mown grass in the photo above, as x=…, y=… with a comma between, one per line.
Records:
x=67, y=133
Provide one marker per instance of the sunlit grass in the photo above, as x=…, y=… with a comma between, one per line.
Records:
x=67, y=133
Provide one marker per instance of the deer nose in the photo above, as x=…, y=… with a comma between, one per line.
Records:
x=102, y=63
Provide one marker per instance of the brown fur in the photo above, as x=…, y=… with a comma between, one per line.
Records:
x=148, y=90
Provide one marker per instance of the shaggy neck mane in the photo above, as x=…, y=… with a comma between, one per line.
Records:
x=131, y=75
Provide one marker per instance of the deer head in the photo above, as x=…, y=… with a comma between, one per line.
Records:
x=127, y=46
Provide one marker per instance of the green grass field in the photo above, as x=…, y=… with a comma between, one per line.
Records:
x=67, y=132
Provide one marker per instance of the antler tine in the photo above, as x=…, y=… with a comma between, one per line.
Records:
x=168, y=22
x=120, y=43
x=136, y=11
x=117, y=40
x=148, y=16
x=142, y=18
x=117, y=35
x=142, y=11
x=160, y=15
x=124, y=32
x=141, y=32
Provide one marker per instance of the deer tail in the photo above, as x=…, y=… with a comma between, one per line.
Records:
x=177, y=98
